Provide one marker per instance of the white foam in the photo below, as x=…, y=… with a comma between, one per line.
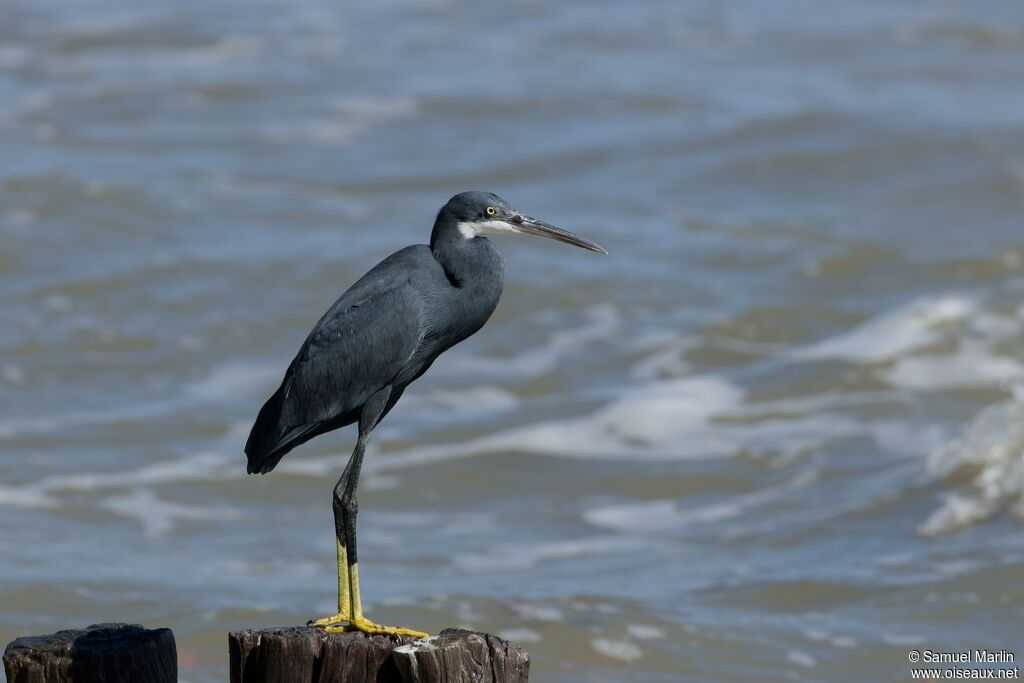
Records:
x=645, y=631
x=688, y=418
x=57, y=303
x=648, y=418
x=972, y=365
x=996, y=326
x=157, y=516
x=621, y=650
x=902, y=640
x=892, y=334
x=536, y=612
x=666, y=515
x=465, y=612
x=232, y=380
x=459, y=404
x=902, y=438
x=25, y=496
x=202, y=466
x=57, y=423
x=824, y=637
x=515, y=556
x=520, y=635
x=350, y=118
x=655, y=421
x=475, y=399
x=651, y=515
x=316, y=467
x=992, y=451
x=662, y=355
x=601, y=322
x=800, y=658
x=13, y=375
x=699, y=417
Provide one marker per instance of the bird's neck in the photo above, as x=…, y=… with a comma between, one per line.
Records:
x=467, y=261
x=475, y=269
x=446, y=235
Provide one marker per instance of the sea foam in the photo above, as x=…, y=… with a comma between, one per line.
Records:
x=991, y=452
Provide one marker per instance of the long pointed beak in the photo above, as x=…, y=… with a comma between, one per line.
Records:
x=532, y=226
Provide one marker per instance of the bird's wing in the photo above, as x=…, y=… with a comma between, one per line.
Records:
x=353, y=352
x=363, y=342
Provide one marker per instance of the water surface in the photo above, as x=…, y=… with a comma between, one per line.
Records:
x=776, y=435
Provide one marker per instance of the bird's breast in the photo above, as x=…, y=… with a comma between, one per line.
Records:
x=474, y=275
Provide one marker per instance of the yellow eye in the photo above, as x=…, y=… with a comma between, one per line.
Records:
x=491, y=211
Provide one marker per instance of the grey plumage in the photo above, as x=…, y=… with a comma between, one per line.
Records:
x=386, y=330
x=376, y=339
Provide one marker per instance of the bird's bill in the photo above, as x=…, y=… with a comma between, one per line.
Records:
x=532, y=226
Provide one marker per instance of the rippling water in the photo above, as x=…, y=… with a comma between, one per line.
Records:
x=776, y=435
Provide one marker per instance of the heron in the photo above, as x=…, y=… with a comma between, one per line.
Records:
x=381, y=335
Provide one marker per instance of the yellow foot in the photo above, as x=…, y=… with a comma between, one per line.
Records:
x=366, y=626
x=330, y=621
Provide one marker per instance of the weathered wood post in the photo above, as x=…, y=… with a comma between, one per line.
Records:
x=102, y=653
x=459, y=656
x=310, y=655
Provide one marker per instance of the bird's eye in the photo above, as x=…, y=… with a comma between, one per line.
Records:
x=491, y=211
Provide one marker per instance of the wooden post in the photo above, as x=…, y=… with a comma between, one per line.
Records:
x=459, y=656
x=310, y=655
x=102, y=653
x=306, y=654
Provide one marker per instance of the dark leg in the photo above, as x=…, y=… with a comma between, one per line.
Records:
x=344, y=528
x=346, y=509
x=345, y=491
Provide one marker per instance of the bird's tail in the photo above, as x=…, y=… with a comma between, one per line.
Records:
x=266, y=446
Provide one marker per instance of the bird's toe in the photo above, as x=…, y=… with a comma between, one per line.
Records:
x=329, y=621
x=367, y=626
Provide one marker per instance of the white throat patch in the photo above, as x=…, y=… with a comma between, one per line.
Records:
x=470, y=229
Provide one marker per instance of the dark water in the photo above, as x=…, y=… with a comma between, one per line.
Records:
x=776, y=435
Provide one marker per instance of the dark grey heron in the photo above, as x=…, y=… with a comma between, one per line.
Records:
x=382, y=334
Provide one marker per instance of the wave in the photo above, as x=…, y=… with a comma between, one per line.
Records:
x=668, y=515
x=990, y=455
x=937, y=343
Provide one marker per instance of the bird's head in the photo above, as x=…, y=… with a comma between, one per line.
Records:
x=480, y=213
